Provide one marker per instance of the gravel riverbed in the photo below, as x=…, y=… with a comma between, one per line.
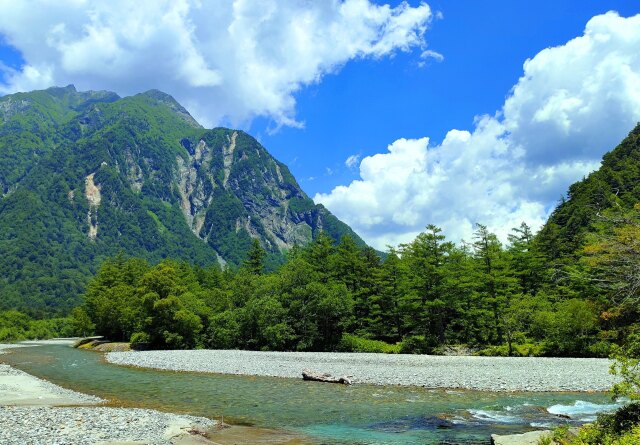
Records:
x=36, y=412
x=19, y=388
x=463, y=372
x=97, y=425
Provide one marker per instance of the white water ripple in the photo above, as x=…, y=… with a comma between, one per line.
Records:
x=582, y=409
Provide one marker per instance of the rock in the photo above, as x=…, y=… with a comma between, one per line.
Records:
x=530, y=438
x=326, y=378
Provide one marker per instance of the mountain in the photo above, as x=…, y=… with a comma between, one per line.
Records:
x=615, y=184
x=85, y=175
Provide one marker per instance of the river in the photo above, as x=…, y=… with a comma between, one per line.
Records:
x=323, y=413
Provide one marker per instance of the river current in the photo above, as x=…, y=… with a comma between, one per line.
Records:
x=322, y=413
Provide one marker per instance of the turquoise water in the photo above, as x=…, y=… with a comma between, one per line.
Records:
x=326, y=413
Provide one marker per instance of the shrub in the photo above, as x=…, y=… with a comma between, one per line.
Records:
x=353, y=343
x=626, y=365
x=418, y=344
x=140, y=340
x=619, y=428
x=621, y=421
x=594, y=435
x=524, y=350
x=7, y=334
x=600, y=349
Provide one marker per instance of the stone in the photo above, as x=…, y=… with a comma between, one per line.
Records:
x=530, y=438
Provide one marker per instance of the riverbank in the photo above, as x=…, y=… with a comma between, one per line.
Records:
x=99, y=425
x=34, y=411
x=460, y=372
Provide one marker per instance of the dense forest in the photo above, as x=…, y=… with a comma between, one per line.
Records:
x=424, y=296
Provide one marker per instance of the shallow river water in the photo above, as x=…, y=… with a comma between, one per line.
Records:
x=323, y=413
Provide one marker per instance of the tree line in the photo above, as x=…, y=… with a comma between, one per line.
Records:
x=423, y=296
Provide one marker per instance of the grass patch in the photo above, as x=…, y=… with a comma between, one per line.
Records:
x=523, y=350
x=353, y=343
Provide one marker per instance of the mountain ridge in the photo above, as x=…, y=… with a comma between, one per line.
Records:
x=84, y=175
x=615, y=184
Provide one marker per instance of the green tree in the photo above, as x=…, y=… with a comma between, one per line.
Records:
x=318, y=254
x=387, y=311
x=255, y=258
x=526, y=262
x=81, y=322
x=223, y=331
x=169, y=324
x=426, y=258
x=572, y=328
x=348, y=265
x=494, y=279
x=626, y=365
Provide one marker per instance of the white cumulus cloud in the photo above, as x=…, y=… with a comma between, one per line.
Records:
x=226, y=61
x=572, y=104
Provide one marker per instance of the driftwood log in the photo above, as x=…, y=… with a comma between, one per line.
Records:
x=327, y=378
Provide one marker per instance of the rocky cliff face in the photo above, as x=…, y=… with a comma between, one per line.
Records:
x=98, y=174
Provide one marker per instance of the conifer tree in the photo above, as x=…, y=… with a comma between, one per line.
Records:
x=255, y=258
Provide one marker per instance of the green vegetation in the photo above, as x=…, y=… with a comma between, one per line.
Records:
x=619, y=428
x=513, y=300
x=612, y=256
x=424, y=295
x=352, y=343
x=15, y=325
x=163, y=193
x=170, y=190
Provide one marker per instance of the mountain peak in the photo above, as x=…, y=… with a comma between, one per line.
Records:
x=97, y=175
x=613, y=186
x=70, y=87
x=162, y=98
x=59, y=92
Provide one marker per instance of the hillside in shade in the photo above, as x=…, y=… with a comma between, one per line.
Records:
x=616, y=184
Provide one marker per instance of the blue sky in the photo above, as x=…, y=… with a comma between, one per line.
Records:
x=319, y=82
x=371, y=103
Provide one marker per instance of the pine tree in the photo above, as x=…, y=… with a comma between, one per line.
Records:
x=255, y=258
x=527, y=263
x=425, y=258
x=386, y=315
x=495, y=281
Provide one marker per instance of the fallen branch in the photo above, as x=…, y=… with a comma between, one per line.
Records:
x=326, y=378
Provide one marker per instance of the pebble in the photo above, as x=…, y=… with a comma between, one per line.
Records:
x=90, y=425
x=460, y=372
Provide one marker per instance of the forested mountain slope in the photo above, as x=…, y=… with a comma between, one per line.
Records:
x=616, y=184
x=85, y=175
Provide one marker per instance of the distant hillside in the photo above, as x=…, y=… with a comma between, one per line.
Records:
x=85, y=175
x=615, y=183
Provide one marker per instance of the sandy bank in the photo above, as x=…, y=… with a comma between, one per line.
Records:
x=478, y=373
x=17, y=388
x=34, y=411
